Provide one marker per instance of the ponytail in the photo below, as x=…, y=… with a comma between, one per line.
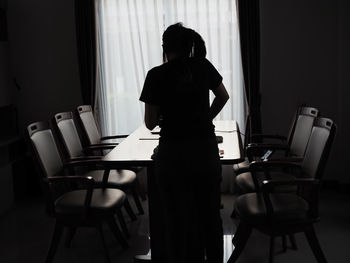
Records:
x=198, y=45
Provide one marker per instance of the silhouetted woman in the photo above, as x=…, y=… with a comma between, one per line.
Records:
x=187, y=164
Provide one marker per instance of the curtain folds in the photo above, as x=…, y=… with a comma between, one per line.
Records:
x=249, y=25
x=129, y=44
x=129, y=35
x=86, y=46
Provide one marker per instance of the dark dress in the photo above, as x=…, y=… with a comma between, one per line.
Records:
x=187, y=165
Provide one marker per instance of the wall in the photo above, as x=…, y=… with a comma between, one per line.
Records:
x=304, y=59
x=5, y=75
x=43, y=58
x=343, y=137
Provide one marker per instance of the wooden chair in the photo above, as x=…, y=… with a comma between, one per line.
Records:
x=292, y=151
x=278, y=213
x=293, y=145
x=72, y=200
x=121, y=179
x=90, y=128
x=92, y=136
x=293, y=148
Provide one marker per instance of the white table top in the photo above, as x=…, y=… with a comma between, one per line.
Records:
x=137, y=148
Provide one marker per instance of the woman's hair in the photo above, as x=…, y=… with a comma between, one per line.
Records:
x=198, y=46
x=183, y=41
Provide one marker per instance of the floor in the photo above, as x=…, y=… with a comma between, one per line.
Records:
x=25, y=234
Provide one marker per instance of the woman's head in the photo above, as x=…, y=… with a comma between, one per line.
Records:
x=183, y=42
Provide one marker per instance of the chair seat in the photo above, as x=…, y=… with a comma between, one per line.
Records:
x=246, y=184
x=241, y=167
x=116, y=179
x=135, y=169
x=286, y=207
x=103, y=201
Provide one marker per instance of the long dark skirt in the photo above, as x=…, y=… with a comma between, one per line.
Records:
x=188, y=175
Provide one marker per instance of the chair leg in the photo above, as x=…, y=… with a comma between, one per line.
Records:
x=54, y=242
x=315, y=245
x=284, y=243
x=272, y=249
x=140, y=190
x=100, y=230
x=240, y=231
x=136, y=197
x=129, y=210
x=122, y=223
x=117, y=233
x=70, y=235
x=293, y=242
x=244, y=232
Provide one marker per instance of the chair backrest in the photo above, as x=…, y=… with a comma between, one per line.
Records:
x=318, y=147
x=292, y=125
x=45, y=148
x=89, y=125
x=69, y=134
x=302, y=130
x=49, y=161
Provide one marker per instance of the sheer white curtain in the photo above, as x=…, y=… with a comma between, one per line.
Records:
x=129, y=34
x=129, y=42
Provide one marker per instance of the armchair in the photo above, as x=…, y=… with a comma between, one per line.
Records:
x=124, y=179
x=291, y=146
x=279, y=213
x=72, y=200
x=293, y=151
x=94, y=141
x=90, y=128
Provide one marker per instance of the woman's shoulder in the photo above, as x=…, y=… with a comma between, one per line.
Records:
x=159, y=69
x=207, y=64
x=155, y=69
x=155, y=72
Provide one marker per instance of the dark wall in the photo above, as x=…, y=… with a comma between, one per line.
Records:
x=304, y=59
x=344, y=88
x=5, y=75
x=42, y=47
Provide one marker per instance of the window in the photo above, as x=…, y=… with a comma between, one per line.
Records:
x=129, y=37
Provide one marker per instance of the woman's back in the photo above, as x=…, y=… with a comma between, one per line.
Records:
x=181, y=89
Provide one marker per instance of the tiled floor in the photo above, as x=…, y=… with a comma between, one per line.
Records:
x=25, y=234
